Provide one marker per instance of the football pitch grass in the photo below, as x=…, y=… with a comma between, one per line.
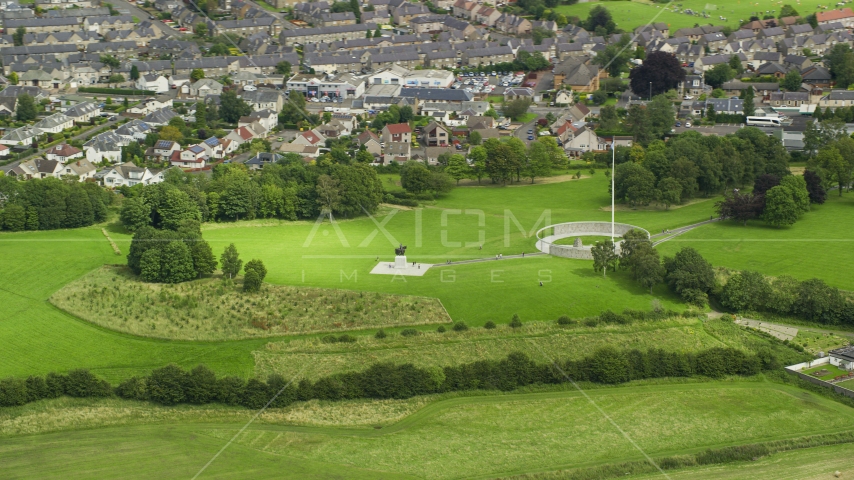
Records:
x=629, y=15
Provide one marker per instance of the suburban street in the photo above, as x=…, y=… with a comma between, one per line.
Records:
x=110, y=123
x=143, y=15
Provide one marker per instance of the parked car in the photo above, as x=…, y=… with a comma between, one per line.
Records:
x=530, y=137
x=678, y=124
x=687, y=124
x=530, y=131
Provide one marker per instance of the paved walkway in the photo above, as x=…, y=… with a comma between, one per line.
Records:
x=671, y=234
x=780, y=331
x=489, y=259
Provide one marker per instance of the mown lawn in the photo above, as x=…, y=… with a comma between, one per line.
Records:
x=455, y=438
x=817, y=246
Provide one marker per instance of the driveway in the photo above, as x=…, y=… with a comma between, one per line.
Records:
x=522, y=132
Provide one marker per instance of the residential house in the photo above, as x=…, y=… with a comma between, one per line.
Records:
x=81, y=168
x=159, y=118
x=82, y=112
x=730, y=106
x=397, y=152
x=371, y=142
x=789, y=99
x=153, y=82
x=239, y=136
x=135, y=130
x=715, y=41
x=37, y=168
x=844, y=16
x=398, y=132
x=435, y=135
x=833, y=100
x=128, y=174
x=310, y=137
x=580, y=77
x=842, y=357
x=432, y=154
x=192, y=157
x=305, y=151
x=106, y=146
x=581, y=141
x=262, y=158
x=204, y=87
x=264, y=99
x=163, y=149
x=488, y=56
x=54, y=123
x=63, y=153
x=213, y=148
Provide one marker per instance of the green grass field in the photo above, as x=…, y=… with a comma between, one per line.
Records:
x=817, y=246
x=631, y=14
x=464, y=437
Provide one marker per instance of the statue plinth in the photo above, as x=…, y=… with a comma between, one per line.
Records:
x=400, y=261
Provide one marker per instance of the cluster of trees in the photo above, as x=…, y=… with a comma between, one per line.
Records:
x=173, y=385
x=506, y=161
x=691, y=164
x=778, y=201
x=289, y=189
x=171, y=255
x=660, y=72
x=840, y=60
x=51, y=203
x=830, y=152
x=812, y=299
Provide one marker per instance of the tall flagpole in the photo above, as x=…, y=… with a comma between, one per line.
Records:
x=613, y=170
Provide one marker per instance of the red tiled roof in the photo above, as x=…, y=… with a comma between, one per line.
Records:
x=310, y=136
x=831, y=15
x=398, y=128
x=176, y=156
x=63, y=150
x=244, y=133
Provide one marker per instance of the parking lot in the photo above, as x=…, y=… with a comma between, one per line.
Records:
x=488, y=83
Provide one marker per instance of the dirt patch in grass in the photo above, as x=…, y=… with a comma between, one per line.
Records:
x=209, y=309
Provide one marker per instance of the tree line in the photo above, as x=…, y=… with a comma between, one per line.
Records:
x=692, y=164
x=778, y=201
x=51, y=203
x=172, y=385
x=813, y=299
x=288, y=189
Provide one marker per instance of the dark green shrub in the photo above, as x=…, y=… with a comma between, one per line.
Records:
x=13, y=392
x=380, y=334
x=516, y=322
x=329, y=339
x=201, y=385
x=229, y=390
x=565, y=320
x=82, y=384
x=166, y=385
x=489, y=325
x=346, y=339
x=409, y=332
x=460, y=327
x=441, y=329
x=591, y=321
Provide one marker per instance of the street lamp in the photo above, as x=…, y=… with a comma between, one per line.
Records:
x=649, y=99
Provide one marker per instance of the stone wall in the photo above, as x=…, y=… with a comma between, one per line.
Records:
x=579, y=229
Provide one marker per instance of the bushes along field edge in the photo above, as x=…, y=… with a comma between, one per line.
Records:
x=171, y=385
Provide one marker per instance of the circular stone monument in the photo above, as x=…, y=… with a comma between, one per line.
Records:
x=546, y=237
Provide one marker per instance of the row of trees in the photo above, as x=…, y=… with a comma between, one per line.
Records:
x=691, y=164
x=289, y=189
x=51, y=203
x=173, y=385
x=813, y=299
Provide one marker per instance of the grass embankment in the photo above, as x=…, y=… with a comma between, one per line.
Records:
x=208, y=309
x=514, y=434
x=541, y=341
